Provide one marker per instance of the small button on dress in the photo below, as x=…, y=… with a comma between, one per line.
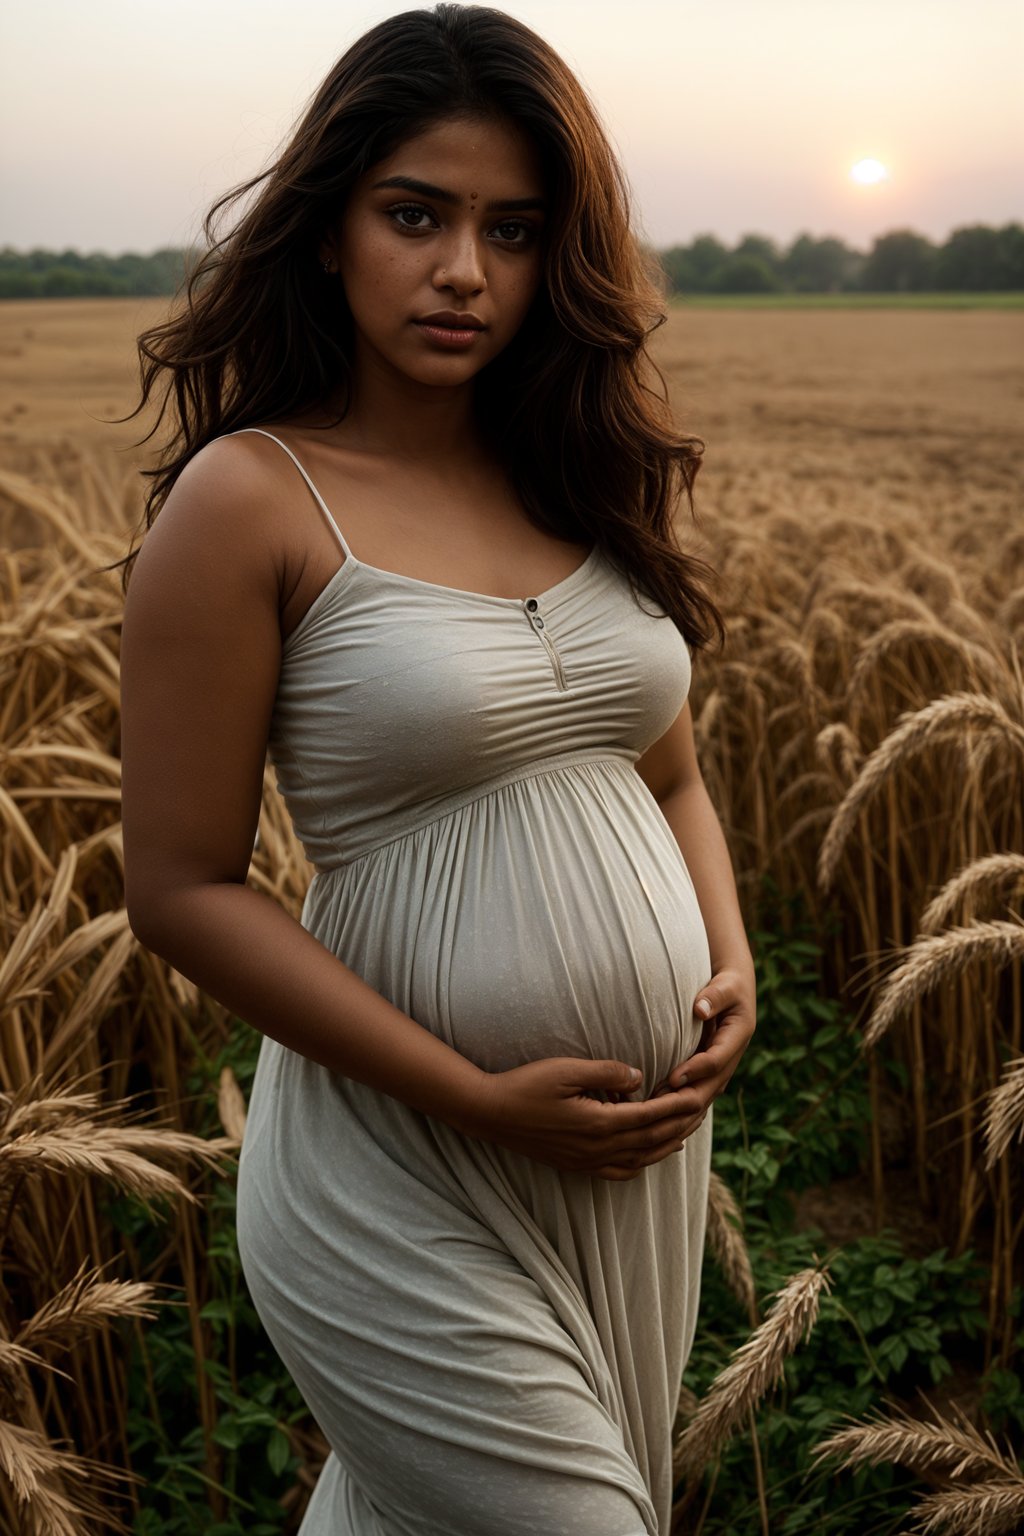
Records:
x=491, y=1346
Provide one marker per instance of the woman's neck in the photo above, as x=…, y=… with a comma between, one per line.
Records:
x=403, y=419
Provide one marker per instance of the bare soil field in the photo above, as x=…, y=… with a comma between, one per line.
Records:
x=880, y=412
x=884, y=410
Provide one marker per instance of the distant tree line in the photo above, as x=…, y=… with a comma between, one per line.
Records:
x=974, y=259
x=42, y=274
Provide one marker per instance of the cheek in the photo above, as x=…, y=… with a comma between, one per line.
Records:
x=377, y=278
x=521, y=292
x=368, y=257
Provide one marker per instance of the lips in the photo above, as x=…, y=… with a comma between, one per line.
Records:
x=449, y=320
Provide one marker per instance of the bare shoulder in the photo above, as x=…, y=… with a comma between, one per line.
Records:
x=222, y=511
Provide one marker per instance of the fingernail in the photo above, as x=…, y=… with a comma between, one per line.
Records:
x=683, y=1080
x=704, y=1007
x=635, y=1075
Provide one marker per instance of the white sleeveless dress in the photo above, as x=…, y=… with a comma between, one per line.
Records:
x=491, y=1347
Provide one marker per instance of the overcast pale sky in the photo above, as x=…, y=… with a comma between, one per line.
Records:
x=122, y=120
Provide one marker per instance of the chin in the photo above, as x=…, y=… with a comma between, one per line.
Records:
x=444, y=370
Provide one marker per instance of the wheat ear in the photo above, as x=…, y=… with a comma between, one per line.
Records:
x=980, y=1509
x=912, y=733
x=37, y=1473
x=118, y=1153
x=931, y=960
x=231, y=1105
x=943, y=1447
x=1004, y=1112
x=726, y=1242
x=982, y=877
x=755, y=1367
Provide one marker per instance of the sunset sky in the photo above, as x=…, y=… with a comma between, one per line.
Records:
x=122, y=120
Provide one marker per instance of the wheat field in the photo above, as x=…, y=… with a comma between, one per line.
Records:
x=862, y=736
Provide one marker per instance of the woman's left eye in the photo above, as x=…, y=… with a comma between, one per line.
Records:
x=526, y=230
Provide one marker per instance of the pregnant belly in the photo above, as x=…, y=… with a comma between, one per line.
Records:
x=554, y=917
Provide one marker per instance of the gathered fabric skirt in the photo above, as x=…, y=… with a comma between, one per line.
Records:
x=491, y=1347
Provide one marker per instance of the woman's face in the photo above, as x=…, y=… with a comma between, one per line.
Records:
x=467, y=239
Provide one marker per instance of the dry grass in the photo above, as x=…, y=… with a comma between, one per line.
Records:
x=981, y=1488
x=861, y=736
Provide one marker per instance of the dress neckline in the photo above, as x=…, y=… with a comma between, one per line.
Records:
x=484, y=597
x=352, y=565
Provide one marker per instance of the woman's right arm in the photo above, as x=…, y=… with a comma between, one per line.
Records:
x=200, y=659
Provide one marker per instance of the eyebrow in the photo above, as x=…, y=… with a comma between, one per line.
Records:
x=426, y=189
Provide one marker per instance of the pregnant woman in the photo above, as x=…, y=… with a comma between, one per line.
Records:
x=415, y=539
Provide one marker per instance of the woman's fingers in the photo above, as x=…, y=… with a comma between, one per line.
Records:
x=719, y=1058
x=541, y=1115
x=634, y=1115
x=652, y=1137
x=639, y=1155
x=633, y=1165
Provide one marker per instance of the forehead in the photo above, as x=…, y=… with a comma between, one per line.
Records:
x=492, y=154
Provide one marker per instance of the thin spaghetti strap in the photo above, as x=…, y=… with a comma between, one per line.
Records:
x=322, y=504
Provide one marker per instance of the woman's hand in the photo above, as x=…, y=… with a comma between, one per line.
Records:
x=546, y=1110
x=731, y=995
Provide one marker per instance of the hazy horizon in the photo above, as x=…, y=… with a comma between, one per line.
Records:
x=731, y=119
x=782, y=242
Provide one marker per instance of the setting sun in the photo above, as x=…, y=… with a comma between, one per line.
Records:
x=868, y=172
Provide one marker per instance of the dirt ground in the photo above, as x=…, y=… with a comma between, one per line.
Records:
x=847, y=410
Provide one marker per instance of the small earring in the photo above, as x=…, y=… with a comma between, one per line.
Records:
x=328, y=267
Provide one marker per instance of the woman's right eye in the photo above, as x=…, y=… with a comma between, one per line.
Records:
x=399, y=209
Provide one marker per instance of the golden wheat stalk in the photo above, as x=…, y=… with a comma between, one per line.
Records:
x=913, y=732
x=755, y=1367
x=985, y=877
x=92, y=1001
x=931, y=960
x=111, y=1152
x=941, y=1447
x=982, y=1509
x=26, y=1460
x=836, y=744
x=20, y=1113
x=916, y=632
x=86, y=1301
x=231, y=1105
x=726, y=1243
x=55, y=507
x=37, y=1472
x=37, y=927
x=1004, y=1112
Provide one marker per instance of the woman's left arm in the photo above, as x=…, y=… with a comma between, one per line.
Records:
x=671, y=772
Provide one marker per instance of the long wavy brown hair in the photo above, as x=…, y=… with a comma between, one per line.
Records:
x=568, y=407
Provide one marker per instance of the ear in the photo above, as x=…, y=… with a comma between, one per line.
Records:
x=327, y=247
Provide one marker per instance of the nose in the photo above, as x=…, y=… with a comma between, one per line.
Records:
x=461, y=264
